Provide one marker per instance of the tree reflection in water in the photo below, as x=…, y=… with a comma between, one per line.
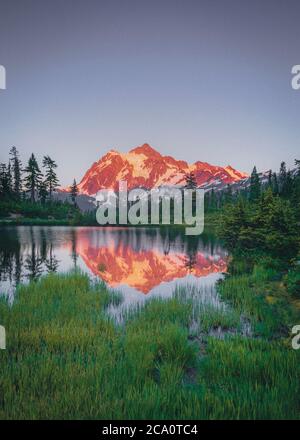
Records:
x=141, y=258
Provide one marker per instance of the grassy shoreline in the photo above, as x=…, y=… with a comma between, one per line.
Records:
x=67, y=359
x=211, y=220
x=34, y=222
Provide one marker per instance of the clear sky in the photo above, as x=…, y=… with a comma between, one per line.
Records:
x=205, y=80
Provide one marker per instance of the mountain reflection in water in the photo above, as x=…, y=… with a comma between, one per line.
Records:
x=130, y=259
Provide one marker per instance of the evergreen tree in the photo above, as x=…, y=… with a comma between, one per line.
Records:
x=43, y=193
x=16, y=171
x=4, y=185
x=51, y=180
x=254, y=186
x=233, y=221
x=270, y=181
x=275, y=186
x=297, y=164
x=213, y=200
x=74, y=192
x=295, y=198
x=190, y=181
x=286, y=181
x=270, y=229
x=277, y=225
x=289, y=185
x=2, y=179
x=282, y=177
x=9, y=179
x=228, y=194
x=33, y=177
x=5, y=181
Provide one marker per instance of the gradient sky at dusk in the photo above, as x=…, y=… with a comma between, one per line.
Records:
x=200, y=80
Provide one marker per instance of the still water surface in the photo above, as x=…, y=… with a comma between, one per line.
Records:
x=136, y=261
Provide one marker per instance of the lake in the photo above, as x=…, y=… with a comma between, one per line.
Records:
x=139, y=262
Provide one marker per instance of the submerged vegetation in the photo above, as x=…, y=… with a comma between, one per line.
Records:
x=66, y=358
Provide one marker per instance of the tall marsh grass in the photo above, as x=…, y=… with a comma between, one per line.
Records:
x=262, y=300
x=67, y=359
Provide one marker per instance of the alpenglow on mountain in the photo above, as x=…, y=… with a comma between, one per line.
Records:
x=145, y=167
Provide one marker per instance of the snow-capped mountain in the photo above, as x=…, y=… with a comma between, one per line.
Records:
x=145, y=167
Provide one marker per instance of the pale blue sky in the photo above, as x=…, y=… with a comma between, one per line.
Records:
x=199, y=80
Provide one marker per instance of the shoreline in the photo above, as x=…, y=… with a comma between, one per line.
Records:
x=27, y=221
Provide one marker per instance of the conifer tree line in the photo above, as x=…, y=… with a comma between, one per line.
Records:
x=285, y=183
x=32, y=181
x=264, y=218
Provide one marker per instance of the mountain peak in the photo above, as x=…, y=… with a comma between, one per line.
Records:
x=112, y=152
x=145, y=167
x=145, y=149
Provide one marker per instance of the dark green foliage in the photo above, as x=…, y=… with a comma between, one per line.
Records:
x=5, y=182
x=74, y=192
x=292, y=281
x=228, y=195
x=51, y=180
x=297, y=163
x=33, y=177
x=213, y=200
x=43, y=193
x=37, y=210
x=233, y=221
x=9, y=179
x=276, y=224
x=255, y=188
x=270, y=182
x=282, y=178
x=295, y=196
x=275, y=186
x=16, y=172
x=268, y=224
x=30, y=200
x=270, y=228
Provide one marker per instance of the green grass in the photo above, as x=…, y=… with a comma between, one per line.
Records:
x=250, y=379
x=66, y=359
x=208, y=313
x=263, y=299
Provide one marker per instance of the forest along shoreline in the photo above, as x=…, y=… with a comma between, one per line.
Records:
x=86, y=366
